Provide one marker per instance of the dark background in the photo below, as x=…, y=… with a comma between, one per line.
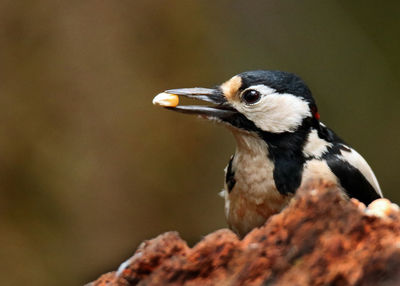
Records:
x=89, y=168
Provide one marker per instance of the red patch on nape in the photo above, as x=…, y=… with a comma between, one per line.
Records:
x=315, y=113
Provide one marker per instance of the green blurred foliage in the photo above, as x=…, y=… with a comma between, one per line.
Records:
x=89, y=168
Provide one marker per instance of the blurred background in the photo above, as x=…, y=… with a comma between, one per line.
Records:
x=89, y=168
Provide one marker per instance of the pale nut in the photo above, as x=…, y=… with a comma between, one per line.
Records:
x=166, y=99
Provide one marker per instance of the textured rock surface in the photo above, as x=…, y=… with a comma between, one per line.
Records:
x=319, y=239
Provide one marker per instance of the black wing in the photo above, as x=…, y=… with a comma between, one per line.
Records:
x=353, y=172
x=353, y=180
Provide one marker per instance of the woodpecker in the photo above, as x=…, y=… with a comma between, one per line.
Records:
x=280, y=144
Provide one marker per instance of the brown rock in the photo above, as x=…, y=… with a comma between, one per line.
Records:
x=321, y=238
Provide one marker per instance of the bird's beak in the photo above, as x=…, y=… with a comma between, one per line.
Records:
x=222, y=110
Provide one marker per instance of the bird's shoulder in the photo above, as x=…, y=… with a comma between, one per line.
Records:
x=352, y=170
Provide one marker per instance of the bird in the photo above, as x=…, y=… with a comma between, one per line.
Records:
x=280, y=144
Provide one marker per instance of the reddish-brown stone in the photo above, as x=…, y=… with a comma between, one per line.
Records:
x=321, y=238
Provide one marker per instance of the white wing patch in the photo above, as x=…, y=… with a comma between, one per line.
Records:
x=356, y=160
x=315, y=146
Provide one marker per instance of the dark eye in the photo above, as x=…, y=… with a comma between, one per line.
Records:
x=251, y=96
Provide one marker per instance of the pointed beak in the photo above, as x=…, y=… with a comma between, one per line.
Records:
x=221, y=109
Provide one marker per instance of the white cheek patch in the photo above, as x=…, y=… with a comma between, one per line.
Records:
x=275, y=112
x=315, y=146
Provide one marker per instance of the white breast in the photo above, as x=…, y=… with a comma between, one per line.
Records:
x=253, y=169
x=254, y=197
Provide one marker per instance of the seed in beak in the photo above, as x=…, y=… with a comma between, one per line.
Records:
x=166, y=100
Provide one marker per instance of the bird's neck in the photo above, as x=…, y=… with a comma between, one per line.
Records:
x=280, y=153
x=276, y=144
x=286, y=144
x=250, y=143
x=262, y=160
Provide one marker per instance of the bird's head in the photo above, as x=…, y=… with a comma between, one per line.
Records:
x=270, y=101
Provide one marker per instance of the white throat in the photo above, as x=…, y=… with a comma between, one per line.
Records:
x=254, y=196
x=252, y=166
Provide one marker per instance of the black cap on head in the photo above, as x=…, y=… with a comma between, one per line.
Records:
x=282, y=82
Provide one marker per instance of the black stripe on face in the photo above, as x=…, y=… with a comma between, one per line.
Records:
x=285, y=150
x=240, y=121
x=352, y=180
x=288, y=173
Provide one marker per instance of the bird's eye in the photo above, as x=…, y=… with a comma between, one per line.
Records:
x=251, y=96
